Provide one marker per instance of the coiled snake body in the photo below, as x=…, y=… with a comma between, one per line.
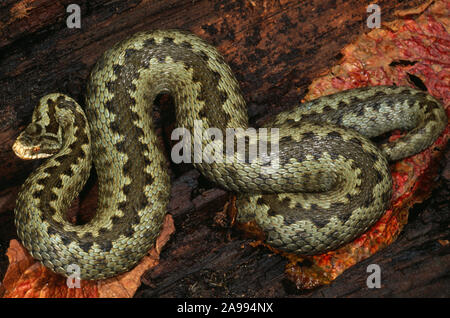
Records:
x=332, y=183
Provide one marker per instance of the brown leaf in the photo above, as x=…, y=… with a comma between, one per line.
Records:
x=27, y=278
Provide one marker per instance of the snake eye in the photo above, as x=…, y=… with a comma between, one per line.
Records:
x=33, y=129
x=36, y=148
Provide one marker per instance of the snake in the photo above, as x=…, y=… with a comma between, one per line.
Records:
x=331, y=182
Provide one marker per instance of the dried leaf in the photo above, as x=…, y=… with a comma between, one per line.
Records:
x=27, y=278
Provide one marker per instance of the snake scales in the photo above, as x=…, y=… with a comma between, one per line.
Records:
x=331, y=185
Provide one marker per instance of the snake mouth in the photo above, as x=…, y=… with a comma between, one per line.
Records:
x=28, y=152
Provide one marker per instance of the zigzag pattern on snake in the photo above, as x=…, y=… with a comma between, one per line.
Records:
x=332, y=183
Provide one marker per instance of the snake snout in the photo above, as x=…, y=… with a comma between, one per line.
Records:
x=28, y=152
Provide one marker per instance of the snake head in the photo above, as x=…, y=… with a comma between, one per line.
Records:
x=42, y=138
x=32, y=143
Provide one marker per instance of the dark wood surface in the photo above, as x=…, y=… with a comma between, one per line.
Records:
x=275, y=49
